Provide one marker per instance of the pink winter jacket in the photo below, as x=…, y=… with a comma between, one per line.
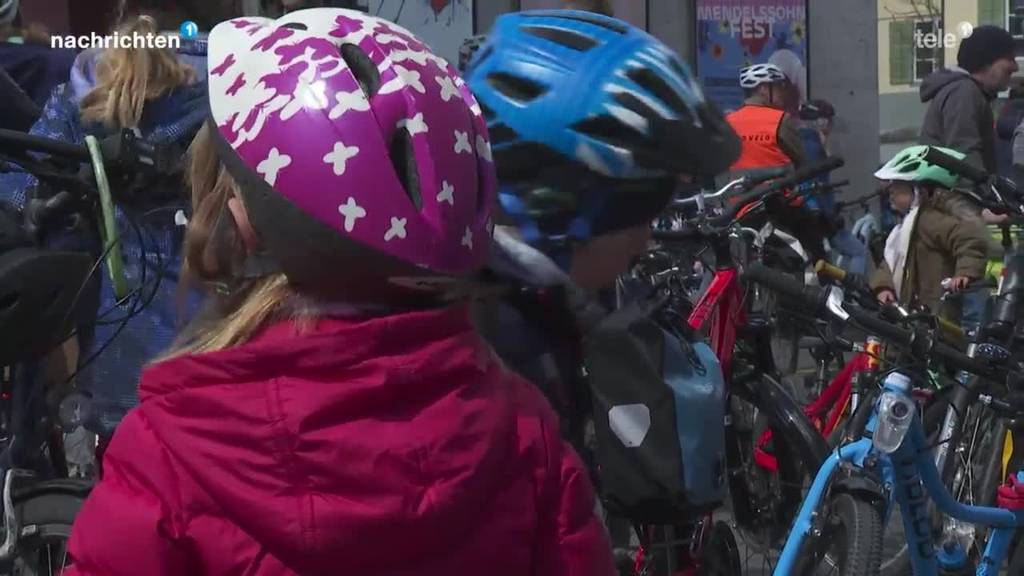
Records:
x=396, y=446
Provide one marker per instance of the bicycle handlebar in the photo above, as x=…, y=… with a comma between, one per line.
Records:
x=747, y=181
x=15, y=142
x=825, y=166
x=949, y=331
x=762, y=175
x=918, y=341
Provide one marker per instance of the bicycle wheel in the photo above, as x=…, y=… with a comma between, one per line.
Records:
x=774, y=498
x=46, y=511
x=850, y=543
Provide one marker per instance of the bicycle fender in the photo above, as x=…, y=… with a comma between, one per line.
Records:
x=788, y=419
x=861, y=484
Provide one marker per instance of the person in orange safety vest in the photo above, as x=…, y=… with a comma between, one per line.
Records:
x=770, y=135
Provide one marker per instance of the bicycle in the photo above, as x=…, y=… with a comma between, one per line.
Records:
x=46, y=297
x=849, y=497
x=739, y=339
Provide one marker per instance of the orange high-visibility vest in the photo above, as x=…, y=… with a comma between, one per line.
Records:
x=758, y=129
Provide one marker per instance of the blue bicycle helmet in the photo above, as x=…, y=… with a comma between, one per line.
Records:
x=591, y=120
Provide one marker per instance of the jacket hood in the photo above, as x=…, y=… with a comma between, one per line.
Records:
x=343, y=437
x=936, y=81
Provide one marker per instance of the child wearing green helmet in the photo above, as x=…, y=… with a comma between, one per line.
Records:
x=932, y=241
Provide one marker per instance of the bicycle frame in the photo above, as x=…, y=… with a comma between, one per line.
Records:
x=833, y=402
x=911, y=473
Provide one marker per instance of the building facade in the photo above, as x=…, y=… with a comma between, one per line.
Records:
x=916, y=37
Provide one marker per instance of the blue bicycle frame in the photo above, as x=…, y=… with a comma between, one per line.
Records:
x=911, y=477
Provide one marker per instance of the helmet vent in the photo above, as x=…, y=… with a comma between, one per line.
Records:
x=362, y=68
x=611, y=131
x=516, y=88
x=910, y=167
x=568, y=38
x=502, y=134
x=403, y=159
x=678, y=68
x=648, y=80
x=637, y=105
x=295, y=26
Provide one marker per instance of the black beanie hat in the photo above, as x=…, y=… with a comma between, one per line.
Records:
x=985, y=45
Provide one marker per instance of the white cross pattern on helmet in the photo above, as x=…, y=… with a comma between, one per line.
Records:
x=754, y=76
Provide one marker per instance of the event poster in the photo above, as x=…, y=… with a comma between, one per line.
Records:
x=440, y=24
x=732, y=34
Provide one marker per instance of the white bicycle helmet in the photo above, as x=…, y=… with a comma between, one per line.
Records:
x=8, y=11
x=753, y=76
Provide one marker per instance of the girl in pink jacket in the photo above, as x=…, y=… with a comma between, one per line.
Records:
x=334, y=412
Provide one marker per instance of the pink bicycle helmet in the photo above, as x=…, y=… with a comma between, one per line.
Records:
x=363, y=159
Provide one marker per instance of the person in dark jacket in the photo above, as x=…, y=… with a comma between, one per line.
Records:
x=960, y=117
x=959, y=99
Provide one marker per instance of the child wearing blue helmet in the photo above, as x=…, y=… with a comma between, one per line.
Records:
x=593, y=124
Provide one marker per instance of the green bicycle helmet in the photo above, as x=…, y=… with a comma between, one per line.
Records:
x=909, y=165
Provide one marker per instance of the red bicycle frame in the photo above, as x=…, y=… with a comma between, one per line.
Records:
x=722, y=302
x=835, y=396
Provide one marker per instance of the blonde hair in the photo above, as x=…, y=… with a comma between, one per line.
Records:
x=126, y=78
x=215, y=256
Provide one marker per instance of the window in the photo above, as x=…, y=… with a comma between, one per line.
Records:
x=927, y=48
x=901, y=51
x=1015, y=18
x=915, y=50
x=992, y=12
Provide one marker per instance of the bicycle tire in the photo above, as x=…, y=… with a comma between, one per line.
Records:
x=46, y=512
x=854, y=528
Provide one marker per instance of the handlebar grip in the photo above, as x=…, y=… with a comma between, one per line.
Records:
x=955, y=165
x=762, y=175
x=829, y=271
x=950, y=331
x=783, y=283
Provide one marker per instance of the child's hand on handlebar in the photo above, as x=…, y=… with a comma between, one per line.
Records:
x=956, y=284
x=992, y=218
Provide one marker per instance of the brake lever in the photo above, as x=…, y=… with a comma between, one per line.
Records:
x=834, y=303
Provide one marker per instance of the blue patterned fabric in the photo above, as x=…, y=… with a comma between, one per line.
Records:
x=112, y=378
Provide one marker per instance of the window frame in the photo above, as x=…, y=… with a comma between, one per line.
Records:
x=938, y=60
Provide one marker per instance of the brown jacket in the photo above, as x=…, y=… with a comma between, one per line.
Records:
x=944, y=244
